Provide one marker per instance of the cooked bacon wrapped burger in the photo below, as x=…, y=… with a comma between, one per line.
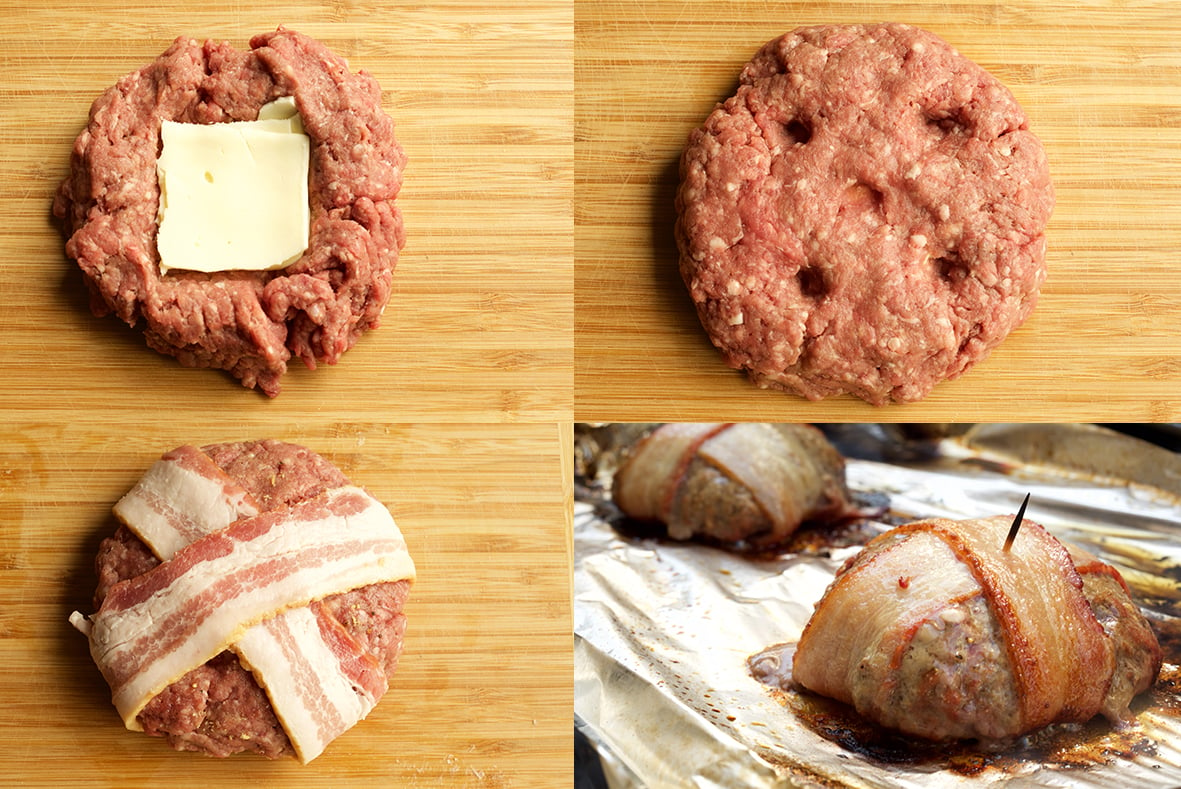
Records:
x=251, y=601
x=936, y=630
x=751, y=482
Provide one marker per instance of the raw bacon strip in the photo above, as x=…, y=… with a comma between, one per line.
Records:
x=154, y=628
x=182, y=497
x=324, y=682
x=320, y=681
x=364, y=672
x=320, y=684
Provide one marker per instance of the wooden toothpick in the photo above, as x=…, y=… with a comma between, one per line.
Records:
x=1016, y=524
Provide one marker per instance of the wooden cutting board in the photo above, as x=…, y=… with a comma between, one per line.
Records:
x=482, y=696
x=1101, y=82
x=479, y=325
x=455, y=413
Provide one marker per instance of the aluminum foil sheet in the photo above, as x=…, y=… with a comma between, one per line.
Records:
x=664, y=631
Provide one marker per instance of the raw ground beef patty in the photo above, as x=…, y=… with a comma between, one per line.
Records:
x=247, y=322
x=219, y=708
x=865, y=215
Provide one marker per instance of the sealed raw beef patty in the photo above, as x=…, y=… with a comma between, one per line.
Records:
x=249, y=322
x=865, y=215
x=251, y=600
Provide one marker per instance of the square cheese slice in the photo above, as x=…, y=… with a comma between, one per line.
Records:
x=234, y=196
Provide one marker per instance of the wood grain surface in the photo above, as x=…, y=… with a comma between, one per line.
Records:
x=538, y=286
x=455, y=412
x=479, y=326
x=1101, y=82
x=482, y=695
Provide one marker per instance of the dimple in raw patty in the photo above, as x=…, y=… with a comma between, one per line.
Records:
x=249, y=323
x=866, y=215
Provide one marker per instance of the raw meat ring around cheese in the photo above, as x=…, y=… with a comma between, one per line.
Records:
x=246, y=322
x=865, y=215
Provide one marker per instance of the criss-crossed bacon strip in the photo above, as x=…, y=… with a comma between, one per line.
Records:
x=232, y=577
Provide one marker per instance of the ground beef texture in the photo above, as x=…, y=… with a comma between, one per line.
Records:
x=218, y=708
x=248, y=323
x=865, y=215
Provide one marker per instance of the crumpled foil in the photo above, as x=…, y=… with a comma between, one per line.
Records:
x=664, y=631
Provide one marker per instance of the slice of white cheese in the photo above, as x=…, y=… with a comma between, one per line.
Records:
x=282, y=109
x=234, y=196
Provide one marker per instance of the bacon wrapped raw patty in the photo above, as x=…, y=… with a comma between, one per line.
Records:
x=937, y=631
x=292, y=622
x=750, y=482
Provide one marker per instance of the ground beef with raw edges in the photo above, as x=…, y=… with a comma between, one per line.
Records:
x=866, y=214
x=250, y=323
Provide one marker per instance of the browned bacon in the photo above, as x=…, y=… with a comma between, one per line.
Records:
x=936, y=630
x=750, y=482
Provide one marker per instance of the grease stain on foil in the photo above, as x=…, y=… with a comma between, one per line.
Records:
x=664, y=631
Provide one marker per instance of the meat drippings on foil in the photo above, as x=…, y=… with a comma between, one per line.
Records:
x=601, y=450
x=1064, y=745
x=1093, y=489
